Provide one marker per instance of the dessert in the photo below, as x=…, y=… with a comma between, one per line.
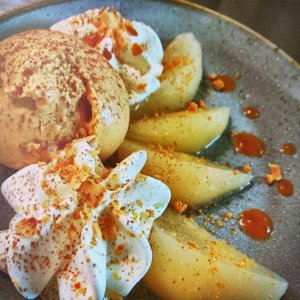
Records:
x=55, y=88
x=83, y=224
x=81, y=230
x=132, y=48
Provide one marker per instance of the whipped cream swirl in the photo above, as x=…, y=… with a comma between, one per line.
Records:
x=132, y=48
x=79, y=226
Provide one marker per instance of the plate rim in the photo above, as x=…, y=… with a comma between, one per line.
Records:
x=41, y=3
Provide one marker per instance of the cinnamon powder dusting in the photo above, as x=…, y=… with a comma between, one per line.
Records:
x=176, y=62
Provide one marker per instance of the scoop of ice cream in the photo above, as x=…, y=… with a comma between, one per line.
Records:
x=53, y=88
x=132, y=48
x=80, y=223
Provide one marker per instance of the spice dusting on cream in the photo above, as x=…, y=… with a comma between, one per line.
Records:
x=80, y=224
x=132, y=48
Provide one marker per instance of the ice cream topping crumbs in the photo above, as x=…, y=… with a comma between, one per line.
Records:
x=80, y=229
x=132, y=48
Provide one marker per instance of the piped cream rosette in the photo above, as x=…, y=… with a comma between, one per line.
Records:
x=80, y=224
x=132, y=48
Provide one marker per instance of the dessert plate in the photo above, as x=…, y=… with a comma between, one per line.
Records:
x=269, y=80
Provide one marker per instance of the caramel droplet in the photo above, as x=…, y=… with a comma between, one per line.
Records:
x=256, y=224
x=285, y=187
x=288, y=149
x=248, y=144
x=251, y=112
x=223, y=83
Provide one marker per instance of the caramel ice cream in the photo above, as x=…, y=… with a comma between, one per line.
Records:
x=54, y=88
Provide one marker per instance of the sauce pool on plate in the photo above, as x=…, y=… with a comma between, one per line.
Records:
x=248, y=144
x=285, y=187
x=256, y=224
x=251, y=112
x=288, y=149
x=222, y=83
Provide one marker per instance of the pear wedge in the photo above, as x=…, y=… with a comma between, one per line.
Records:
x=180, y=79
x=189, y=263
x=185, y=131
x=192, y=180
